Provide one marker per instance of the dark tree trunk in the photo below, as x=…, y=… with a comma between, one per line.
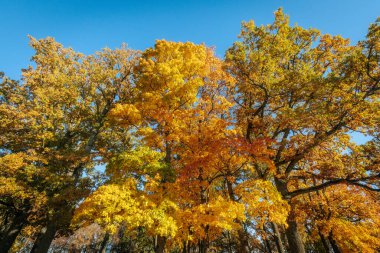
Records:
x=160, y=244
x=277, y=238
x=333, y=243
x=269, y=248
x=292, y=234
x=324, y=242
x=12, y=231
x=294, y=238
x=44, y=239
x=229, y=242
x=103, y=245
x=243, y=240
x=202, y=246
x=186, y=247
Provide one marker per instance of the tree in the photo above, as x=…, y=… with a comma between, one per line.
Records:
x=175, y=85
x=62, y=122
x=305, y=91
x=20, y=194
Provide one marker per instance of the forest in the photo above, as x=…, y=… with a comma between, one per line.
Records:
x=174, y=149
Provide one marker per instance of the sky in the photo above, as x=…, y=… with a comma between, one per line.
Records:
x=89, y=25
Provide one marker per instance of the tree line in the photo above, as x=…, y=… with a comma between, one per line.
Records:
x=173, y=149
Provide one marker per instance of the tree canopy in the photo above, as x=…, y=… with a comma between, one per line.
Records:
x=173, y=149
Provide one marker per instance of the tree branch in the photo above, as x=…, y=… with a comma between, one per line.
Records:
x=355, y=182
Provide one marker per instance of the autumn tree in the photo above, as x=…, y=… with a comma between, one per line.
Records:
x=167, y=80
x=305, y=91
x=19, y=193
x=55, y=128
x=187, y=149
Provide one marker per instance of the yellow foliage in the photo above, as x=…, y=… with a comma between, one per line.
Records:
x=263, y=202
x=119, y=204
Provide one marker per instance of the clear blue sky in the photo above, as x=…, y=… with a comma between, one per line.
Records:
x=90, y=25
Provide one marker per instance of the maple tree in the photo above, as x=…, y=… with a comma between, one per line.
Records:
x=250, y=153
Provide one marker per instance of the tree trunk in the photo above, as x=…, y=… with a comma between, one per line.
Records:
x=103, y=245
x=229, y=242
x=243, y=240
x=269, y=248
x=44, y=239
x=202, y=246
x=292, y=234
x=324, y=242
x=10, y=234
x=294, y=238
x=160, y=244
x=333, y=243
x=277, y=238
